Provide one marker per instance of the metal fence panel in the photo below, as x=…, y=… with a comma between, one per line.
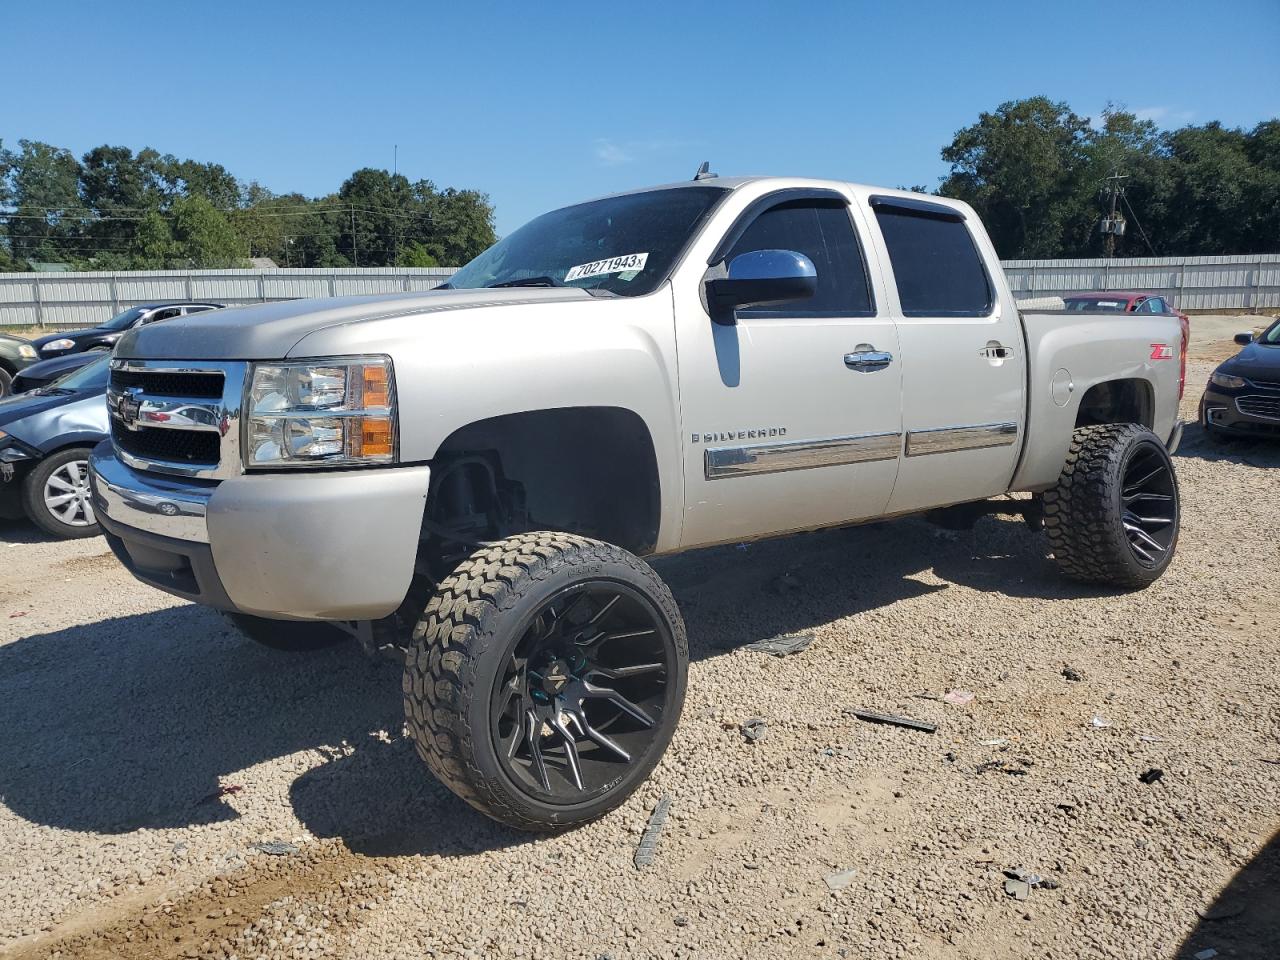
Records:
x=1225, y=284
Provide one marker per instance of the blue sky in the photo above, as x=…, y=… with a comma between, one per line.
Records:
x=541, y=104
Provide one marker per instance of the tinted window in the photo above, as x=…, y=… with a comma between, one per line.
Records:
x=935, y=263
x=824, y=233
x=92, y=376
x=125, y=320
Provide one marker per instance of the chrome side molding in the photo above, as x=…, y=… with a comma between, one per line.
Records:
x=921, y=443
x=722, y=462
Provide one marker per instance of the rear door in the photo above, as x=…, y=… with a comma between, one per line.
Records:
x=785, y=427
x=963, y=359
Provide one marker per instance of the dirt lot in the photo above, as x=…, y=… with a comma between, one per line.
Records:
x=145, y=748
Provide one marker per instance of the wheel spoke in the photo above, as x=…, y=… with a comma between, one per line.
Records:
x=59, y=500
x=581, y=719
x=73, y=471
x=1142, y=481
x=1144, y=495
x=591, y=691
x=570, y=749
x=1136, y=531
x=604, y=610
x=58, y=483
x=535, y=749
x=621, y=673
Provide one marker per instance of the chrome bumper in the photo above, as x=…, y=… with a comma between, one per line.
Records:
x=148, y=502
x=329, y=545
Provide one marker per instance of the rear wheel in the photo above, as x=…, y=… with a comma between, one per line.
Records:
x=293, y=636
x=56, y=495
x=545, y=679
x=1113, y=517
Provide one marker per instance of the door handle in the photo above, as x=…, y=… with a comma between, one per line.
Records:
x=868, y=361
x=995, y=351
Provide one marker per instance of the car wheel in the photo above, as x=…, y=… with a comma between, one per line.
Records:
x=1114, y=516
x=56, y=495
x=545, y=679
x=6, y=383
x=292, y=636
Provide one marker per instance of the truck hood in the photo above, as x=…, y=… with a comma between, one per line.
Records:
x=268, y=331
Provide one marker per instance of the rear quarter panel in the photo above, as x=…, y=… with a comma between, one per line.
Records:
x=1091, y=349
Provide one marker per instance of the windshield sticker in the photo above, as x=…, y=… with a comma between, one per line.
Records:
x=624, y=264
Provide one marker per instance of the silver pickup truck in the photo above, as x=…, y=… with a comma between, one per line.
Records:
x=469, y=476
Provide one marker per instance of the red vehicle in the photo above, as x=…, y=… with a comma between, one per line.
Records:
x=1134, y=301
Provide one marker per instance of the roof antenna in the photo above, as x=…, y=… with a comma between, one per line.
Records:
x=704, y=172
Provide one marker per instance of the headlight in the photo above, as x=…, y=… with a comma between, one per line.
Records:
x=1228, y=381
x=321, y=413
x=63, y=344
x=27, y=352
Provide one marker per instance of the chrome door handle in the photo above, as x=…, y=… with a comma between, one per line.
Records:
x=867, y=361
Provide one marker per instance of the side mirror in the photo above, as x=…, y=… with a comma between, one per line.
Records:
x=759, y=278
x=1244, y=339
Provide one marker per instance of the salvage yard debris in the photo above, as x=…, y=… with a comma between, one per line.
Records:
x=648, y=846
x=275, y=848
x=959, y=698
x=1151, y=776
x=755, y=729
x=839, y=880
x=892, y=719
x=781, y=646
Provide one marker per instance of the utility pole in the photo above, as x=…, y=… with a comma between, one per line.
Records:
x=355, y=254
x=1114, y=224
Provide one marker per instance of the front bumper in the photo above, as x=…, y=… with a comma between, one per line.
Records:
x=1229, y=412
x=332, y=545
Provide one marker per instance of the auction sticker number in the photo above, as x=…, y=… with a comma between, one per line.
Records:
x=624, y=264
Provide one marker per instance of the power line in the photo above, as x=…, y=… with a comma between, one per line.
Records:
x=1137, y=223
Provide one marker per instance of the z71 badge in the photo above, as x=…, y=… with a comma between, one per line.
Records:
x=1161, y=351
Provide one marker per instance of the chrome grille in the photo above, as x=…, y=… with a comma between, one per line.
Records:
x=207, y=386
x=179, y=417
x=1258, y=406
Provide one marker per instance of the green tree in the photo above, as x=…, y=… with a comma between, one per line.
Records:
x=44, y=184
x=1024, y=168
x=414, y=254
x=203, y=236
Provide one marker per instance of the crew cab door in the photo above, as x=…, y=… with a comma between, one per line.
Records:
x=785, y=428
x=962, y=354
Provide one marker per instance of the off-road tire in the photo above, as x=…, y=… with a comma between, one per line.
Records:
x=1083, y=512
x=469, y=626
x=33, y=495
x=291, y=636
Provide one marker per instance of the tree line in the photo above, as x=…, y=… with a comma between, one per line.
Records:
x=1037, y=174
x=114, y=209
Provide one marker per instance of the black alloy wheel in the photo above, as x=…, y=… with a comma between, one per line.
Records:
x=1149, y=503
x=582, y=691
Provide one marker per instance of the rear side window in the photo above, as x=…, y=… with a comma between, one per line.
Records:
x=824, y=233
x=935, y=263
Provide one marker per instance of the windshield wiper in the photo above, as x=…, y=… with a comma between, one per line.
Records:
x=529, y=282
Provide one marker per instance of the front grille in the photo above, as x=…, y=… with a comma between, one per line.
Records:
x=205, y=386
x=1258, y=406
x=176, y=446
x=1265, y=384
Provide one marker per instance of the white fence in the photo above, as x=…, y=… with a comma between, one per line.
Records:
x=1224, y=284
x=86, y=299
x=1212, y=284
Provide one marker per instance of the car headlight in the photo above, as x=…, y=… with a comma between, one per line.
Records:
x=321, y=413
x=63, y=344
x=1227, y=380
x=27, y=352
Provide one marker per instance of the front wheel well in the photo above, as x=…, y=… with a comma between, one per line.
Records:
x=1117, y=401
x=585, y=470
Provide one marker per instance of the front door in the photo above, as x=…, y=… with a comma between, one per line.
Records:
x=791, y=415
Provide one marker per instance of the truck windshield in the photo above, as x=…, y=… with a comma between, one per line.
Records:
x=624, y=245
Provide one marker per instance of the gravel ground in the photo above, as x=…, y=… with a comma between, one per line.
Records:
x=147, y=747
